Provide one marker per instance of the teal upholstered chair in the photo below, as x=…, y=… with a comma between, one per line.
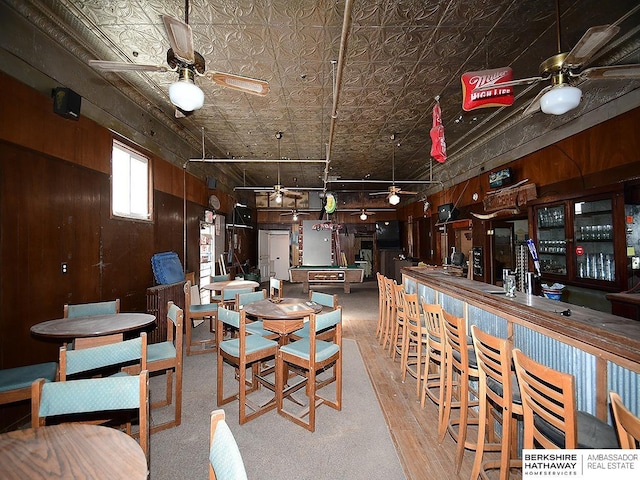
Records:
x=89, y=310
x=90, y=361
x=255, y=327
x=242, y=352
x=15, y=383
x=225, y=460
x=310, y=355
x=193, y=312
x=229, y=295
x=324, y=299
x=74, y=400
x=219, y=278
x=167, y=357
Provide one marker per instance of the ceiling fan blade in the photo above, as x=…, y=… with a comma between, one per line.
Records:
x=379, y=193
x=291, y=193
x=406, y=192
x=534, y=106
x=592, y=41
x=512, y=83
x=180, y=38
x=108, y=66
x=613, y=72
x=238, y=82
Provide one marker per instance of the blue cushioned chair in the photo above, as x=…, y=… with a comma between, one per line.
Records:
x=89, y=310
x=311, y=356
x=193, y=311
x=225, y=460
x=275, y=288
x=93, y=360
x=229, y=295
x=242, y=352
x=551, y=418
x=15, y=383
x=74, y=400
x=326, y=300
x=219, y=278
x=255, y=327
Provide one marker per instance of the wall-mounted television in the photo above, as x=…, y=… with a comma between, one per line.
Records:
x=242, y=216
x=388, y=234
x=447, y=212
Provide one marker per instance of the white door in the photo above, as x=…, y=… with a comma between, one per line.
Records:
x=279, y=255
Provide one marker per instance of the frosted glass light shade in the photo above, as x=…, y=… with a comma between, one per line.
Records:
x=186, y=95
x=363, y=216
x=394, y=199
x=560, y=99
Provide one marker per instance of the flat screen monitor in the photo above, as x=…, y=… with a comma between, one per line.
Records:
x=388, y=234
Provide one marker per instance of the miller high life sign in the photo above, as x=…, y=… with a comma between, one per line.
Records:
x=494, y=97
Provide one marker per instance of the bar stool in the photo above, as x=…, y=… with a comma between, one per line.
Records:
x=414, y=335
x=434, y=358
x=460, y=360
x=551, y=419
x=381, y=304
x=499, y=400
x=390, y=311
x=398, y=328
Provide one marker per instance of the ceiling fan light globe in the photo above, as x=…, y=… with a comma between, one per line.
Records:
x=363, y=216
x=279, y=198
x=394, y=199
x=186, y=95
x=560, y=99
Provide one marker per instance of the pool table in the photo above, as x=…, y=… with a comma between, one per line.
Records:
x=310, y=275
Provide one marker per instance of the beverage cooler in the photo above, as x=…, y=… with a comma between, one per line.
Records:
x=580, y=241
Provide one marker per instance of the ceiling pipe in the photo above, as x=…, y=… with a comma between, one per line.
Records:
x=257, y=160
x=406, y=182
x=346, y=27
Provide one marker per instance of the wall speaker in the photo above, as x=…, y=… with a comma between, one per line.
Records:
x=211, y=183
x=66, y=102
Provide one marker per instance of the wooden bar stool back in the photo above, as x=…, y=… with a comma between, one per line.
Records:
x=413, y=352
x=499, y=398
x=381, y=305
x=627, y=424
x=390, y=311
x=551, y=418
x=460, y=361
x=434, y=375
x=398, y=329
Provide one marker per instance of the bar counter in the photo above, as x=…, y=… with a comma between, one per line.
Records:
x=601, y=350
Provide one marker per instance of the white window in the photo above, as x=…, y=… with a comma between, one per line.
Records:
x=130, y=186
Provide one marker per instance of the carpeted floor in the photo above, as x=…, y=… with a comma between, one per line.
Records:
x=351, y=444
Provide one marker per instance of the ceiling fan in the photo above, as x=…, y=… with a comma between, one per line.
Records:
x=566, y=69
x=182, y=58
x=294, y=214
x=394, y=192
x=279, y=192
x=363, y=214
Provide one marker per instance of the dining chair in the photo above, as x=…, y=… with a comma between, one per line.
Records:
x=460, y=362
x=308, y=357
x=275, y=288
x=224, y=277
x=167, y=357
x=15, y=383
x=499, y=399
x=225, y=459
x=255, y=326
x=89, y=310
x=74, y=400
x=228, y=295
x=242, y=352
x=551, y=418
x=626, y=423
x=390, y=311
x=109, y=359
x=194, y=312
x=326, y=300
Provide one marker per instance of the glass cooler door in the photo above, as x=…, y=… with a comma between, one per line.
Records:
x=552, y=243
x=593, y=233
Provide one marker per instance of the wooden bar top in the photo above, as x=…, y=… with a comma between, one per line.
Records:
x=602, y=331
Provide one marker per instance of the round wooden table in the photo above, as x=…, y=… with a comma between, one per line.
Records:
x=230, y=284
x=92, y=326
x=71, y=450
x=282, y=317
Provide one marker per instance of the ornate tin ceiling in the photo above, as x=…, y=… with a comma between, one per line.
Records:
x=344, y=76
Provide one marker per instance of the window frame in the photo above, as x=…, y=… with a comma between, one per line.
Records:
x=133, y=152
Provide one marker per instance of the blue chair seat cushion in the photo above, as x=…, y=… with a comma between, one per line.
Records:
x=304, y=331
x=301, y=348
x=203, y=310
x=253, y=344
x=160, y=351
x=21, y=377
x=592, y=432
